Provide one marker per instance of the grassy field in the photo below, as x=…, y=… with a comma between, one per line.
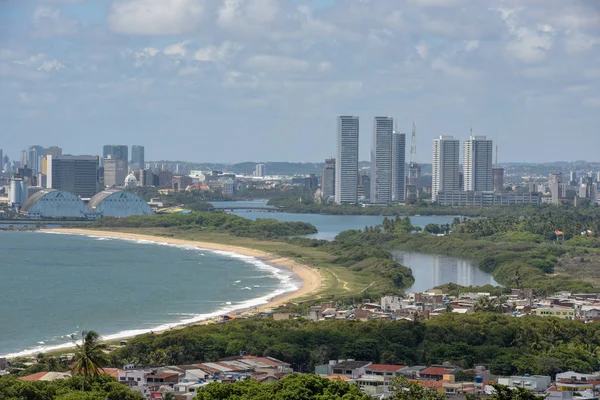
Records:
x=338, y=280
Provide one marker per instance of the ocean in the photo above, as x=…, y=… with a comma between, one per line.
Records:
x=53, y=286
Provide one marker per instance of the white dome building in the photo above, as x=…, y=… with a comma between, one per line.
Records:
x=131, y=181
x=52, y=203
x=118, y=203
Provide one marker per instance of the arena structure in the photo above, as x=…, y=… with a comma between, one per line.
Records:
x=118, y=203
x=52, y=203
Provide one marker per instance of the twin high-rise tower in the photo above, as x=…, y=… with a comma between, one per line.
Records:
x=477, y=165
x=388, y=160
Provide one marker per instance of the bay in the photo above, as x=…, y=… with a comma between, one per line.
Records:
x=52, y=286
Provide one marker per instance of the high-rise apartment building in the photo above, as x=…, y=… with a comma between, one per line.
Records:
x=115, y=172
x=328, y=179
x=478, y=153
x=346, y=167
x=398, y=167
x=259, y=170
x=381, y=160
x=75, y=174
x=34, y=157
x=137, y=157
x=445, y=171
x=118, y=151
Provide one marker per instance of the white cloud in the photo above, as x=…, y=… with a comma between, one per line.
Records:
x=143, y=56
x=177, y=49
x=51, y=65
x=273, y=63
x=31, y=60
x=48, y=21
x=422, y=49
x=471, y=45
x=221, y=53
x=530, y=45
x=156, y=17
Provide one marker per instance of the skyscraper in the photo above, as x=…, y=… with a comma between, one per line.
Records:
x=137, y=157
x=259, y=170
x=346, y=167
x=398, y=166
x=115, y=171
x=118, y=151
x=1, y=162
x=478, y=153
x=75, y=174
x=328, y=179
x=381, y=160
x=445, y=177
x=34, y=155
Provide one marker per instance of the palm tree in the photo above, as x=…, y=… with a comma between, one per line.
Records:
x=90, y=356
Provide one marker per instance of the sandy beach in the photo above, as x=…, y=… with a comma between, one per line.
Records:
x=312, y=280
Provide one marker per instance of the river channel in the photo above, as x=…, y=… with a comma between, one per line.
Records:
x=429, y=270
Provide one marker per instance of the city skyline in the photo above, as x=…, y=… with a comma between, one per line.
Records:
x=270, y=76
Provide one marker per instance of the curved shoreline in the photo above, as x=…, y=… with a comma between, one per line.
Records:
x=311, y=279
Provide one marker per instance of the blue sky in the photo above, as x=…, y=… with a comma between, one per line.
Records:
x=238, y=80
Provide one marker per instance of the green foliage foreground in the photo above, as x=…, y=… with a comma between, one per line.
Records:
x=299, y=387
x=509, y=345
x=103, y=387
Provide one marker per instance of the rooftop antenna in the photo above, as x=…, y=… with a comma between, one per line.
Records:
x=496, y=154
x=413, y=145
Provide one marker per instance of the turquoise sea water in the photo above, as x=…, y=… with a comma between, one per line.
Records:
x=52, y=286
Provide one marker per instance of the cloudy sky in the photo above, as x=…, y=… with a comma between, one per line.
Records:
x=237, y=80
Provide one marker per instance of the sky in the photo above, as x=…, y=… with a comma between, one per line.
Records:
x=263, y=80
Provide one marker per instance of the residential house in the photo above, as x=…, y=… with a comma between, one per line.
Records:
x=412, y=372
x=555, y=311
x=372, y=385
x=349, y=368
x=581, y=384
x=535, y=383
x=436, y=372
x=386, y=370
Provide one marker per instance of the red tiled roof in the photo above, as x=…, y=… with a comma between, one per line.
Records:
x=438, y=371
x=384, y=367
x=33, y=377
x=262, y=360
x=114, y=372
x=428, y=384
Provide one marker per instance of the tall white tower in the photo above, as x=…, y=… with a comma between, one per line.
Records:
x=478, y=153
x=445, y=176
x=346, y=162
x=381, y=160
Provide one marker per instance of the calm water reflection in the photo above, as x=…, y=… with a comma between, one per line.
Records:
x=433, y=270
